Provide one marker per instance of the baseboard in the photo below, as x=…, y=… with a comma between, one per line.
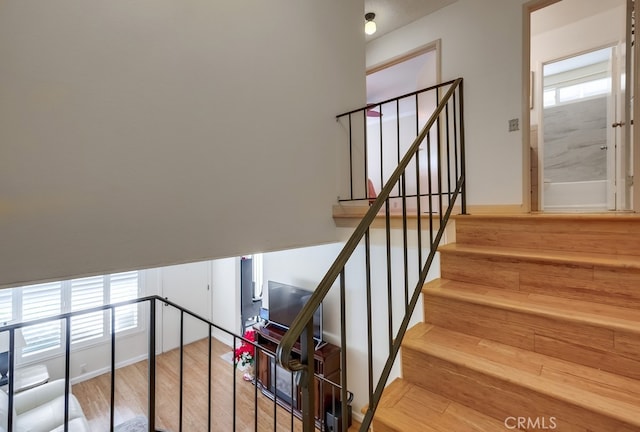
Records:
x=496, y=209
x=101, y=371
x=357, y=211
x=223, y=337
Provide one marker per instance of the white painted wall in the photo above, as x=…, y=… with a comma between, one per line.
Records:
x=481, y=42
x=152, y=132
x=225, y=304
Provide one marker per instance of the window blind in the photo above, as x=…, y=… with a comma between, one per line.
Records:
x=124, y=286
x=49, y=299
x=41, y=301
x=87, y=293
x=6, y=305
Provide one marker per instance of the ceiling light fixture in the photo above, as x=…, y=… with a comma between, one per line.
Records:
x=370, y=24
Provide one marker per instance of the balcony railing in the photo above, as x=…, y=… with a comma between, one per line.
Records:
x=259, y=404
x=426, y=180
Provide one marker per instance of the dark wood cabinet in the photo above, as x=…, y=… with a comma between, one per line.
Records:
x=275, y=381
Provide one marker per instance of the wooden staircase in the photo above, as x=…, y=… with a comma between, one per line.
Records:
x=534, y=325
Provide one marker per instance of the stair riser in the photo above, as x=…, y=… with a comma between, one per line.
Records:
x=587, y=282
x=563, y=234
x=498, y=398
x=607, y=349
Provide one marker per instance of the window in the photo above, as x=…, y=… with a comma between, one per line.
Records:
x=577, y=78
x=40, y=301
x=6, y=309
x=50, y=299
x=258, y=275
x=575, y=92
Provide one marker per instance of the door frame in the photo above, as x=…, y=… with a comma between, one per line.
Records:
x=527, y=9
x=612, y=157
x=408, y=55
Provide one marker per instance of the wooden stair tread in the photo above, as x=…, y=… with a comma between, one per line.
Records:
x=600, y=216
x=612, y=317
x=540, y=255
x=408, y=407
x=606, y=393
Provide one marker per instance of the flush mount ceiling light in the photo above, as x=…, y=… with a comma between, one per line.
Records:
x=370, y=24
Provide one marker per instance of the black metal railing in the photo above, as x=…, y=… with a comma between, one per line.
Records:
x=428, y=192
x=231, y=403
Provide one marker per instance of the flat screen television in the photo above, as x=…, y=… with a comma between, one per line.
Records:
x=286, y=302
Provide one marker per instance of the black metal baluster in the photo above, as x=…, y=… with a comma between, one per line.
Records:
x=308, y=392
x=209, y=377
x=180, y=408
x=12, y=362
x=418, y=195
x=343, y=347
x=256, y=359
x=350, y=159
x=294, y=391
x=67, y=369
x=235, y=383
x=113, y=369
x=448, y=141
x=381, y=150
x=151, y=414
x=430, y=190
x=366, y=156
x=462, y=152
x=455, y=135
x=439, y=153
x=389, y=288
x=367, y=242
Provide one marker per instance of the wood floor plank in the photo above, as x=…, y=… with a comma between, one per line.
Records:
x=617, y=235
x=132, y=391
x=406, y=407
x=476, y=379
x=584, y=332
x=590, y=277
x=619, y=363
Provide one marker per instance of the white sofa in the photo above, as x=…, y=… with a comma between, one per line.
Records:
x=41, y=409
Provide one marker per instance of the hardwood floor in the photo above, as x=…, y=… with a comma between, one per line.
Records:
x=132, y=389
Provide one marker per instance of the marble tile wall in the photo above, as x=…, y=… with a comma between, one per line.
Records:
x=573, y=135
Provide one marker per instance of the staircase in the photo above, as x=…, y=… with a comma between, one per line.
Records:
x=534, y=325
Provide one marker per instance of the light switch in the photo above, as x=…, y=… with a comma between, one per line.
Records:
x=514, y=125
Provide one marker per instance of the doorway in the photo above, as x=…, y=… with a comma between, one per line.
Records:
x=579, y=111
x=391, y=127
x=188, y=285
x=577, y=152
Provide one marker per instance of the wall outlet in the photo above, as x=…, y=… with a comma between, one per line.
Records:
x=514, y=125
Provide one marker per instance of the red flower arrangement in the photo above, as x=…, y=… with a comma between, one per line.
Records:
x=245, y=353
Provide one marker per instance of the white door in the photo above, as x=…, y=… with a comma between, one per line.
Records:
x=225, y=299
x=188, y=285
x=624, y=83
x=579, y=150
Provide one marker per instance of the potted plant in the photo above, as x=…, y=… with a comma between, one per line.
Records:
x=245, y=355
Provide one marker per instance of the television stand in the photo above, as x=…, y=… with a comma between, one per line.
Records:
x=320, y=344
x=277, y=383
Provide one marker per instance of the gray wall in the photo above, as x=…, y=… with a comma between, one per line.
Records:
x=152, y=132
x=573, y=135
